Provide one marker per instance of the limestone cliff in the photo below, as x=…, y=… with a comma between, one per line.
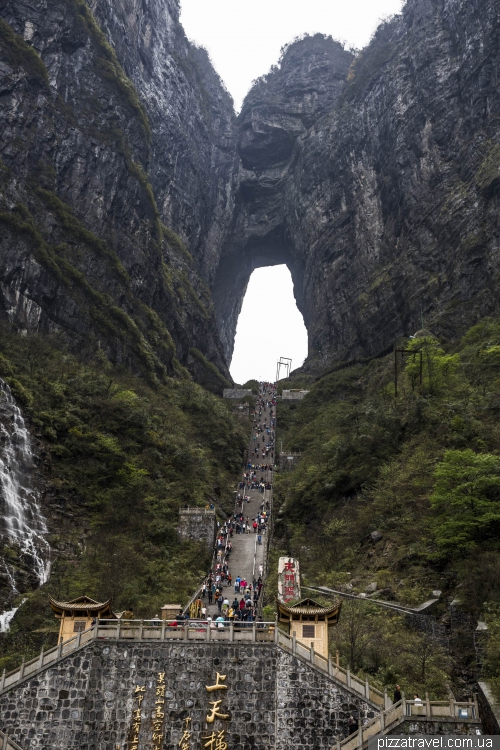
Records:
x=373, y=176
x=115, y=130
x=376, y=180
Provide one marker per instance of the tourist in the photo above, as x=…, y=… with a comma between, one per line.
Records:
x=397, y=694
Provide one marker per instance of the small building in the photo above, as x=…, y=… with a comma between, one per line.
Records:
x=78, y=615
x=238, y=393
x=199, y=524
x=294, y=394
x=288, y=460
x=309, y=622
x=170, y=611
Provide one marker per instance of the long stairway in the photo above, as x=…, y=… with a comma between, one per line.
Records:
x=247, y=555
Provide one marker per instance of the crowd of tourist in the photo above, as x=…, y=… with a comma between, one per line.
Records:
x=238, y=600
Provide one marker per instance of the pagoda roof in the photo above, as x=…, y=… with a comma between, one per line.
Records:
x=82, y=604
x=310, y=607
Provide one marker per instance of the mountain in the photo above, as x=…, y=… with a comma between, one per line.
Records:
x=115, y=129
x=134, y=205
x=375, y=178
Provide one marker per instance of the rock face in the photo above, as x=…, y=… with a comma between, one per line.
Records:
x=383, y=199
x=96, y=170
x=373, y=177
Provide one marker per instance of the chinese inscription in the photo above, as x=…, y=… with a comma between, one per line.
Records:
x=159, y=712
x=216, y=740
x=136, y=717
x=288, y=579
x=184, y=742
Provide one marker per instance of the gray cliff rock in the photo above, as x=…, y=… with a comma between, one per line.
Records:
x=95, y=172
x=374, y=177
x=382, y=200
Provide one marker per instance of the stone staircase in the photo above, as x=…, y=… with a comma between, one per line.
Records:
x=452, y=713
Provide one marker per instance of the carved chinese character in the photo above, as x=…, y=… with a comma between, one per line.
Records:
x=216, y=741
x=289, y=566
x=214, y=712
x=184, y=740
x=161, y=677
x=217, y=686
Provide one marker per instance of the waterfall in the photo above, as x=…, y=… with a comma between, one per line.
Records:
x=21, y=521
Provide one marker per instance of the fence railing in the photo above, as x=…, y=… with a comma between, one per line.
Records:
x=445, y=710
x=144, y=630
x=6, y=743
x=197, y=511
x=344, y=676
x=194, y=631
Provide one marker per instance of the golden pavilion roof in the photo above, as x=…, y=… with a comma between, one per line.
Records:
x=309, y=608
x=82, y=605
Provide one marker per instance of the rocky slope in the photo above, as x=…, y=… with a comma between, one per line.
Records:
x=97, y=167
x=383, y=199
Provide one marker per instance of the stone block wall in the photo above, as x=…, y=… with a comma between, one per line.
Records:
x=87, y=700
x=489, y=709
x=438, y=727
x=201, y=526
x=311, y=709
x=48, y=711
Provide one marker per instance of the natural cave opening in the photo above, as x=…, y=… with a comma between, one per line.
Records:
x=269, y=326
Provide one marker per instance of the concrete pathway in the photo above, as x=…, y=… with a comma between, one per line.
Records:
x=247, y=554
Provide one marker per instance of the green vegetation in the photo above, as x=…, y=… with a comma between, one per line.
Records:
x=376, y=642
x=211, y=368
x=491, y=669
x=370, y=62
x=20, y=54
x=110, y=318
x=252, y=385
x=109, y=67
x=488, y=173
x=422, y=469
x=123, y=457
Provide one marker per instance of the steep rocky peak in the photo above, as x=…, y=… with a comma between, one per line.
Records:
x=282, y=105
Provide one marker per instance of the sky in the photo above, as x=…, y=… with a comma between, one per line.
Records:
x=243, y=39
x=269, y=327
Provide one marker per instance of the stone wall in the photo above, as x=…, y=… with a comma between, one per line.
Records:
x=237, y=393
x=48, y=711
x=489, y=710
x=273, y=699
x=311, y=709
x=200, y=525
x=437, y=726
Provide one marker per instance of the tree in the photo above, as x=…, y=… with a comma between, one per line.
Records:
x=466, y=499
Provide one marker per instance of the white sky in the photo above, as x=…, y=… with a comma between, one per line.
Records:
x=244, y=38
x=269, y=327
